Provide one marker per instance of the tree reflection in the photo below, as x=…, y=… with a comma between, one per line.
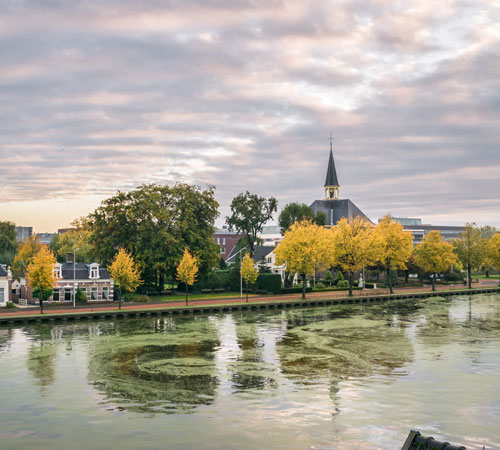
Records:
x=41, y=362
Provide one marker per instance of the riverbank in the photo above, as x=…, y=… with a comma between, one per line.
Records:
x=111, y=311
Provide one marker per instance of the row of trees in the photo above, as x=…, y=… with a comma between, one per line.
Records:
x=356, y=243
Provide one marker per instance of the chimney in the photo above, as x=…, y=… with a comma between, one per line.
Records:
x=69, y=258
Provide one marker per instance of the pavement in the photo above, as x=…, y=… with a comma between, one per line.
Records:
x=231, y=300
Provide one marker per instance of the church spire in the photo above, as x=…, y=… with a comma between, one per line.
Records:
x=331, y=183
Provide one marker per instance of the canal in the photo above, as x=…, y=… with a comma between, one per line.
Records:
x=336, y=377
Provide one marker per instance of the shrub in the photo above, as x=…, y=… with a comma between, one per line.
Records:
x=294, y=290
x=269, y=282
x=81, y=297
x=369, y=285
x=141, y=299
x=328, y=277
x=339, y=277
x=343, y=284
x=9, y=305
x=320, y=285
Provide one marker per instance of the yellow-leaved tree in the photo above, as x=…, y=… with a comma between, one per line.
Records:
x=125, y=273
x=470, y=248
x=40, y=273
x=248, y=272
x=304, y=248
x=353, y=245
x=434, y=255
x=187, y=270
x=494, y=251
x=25, y=254
x=394, y=246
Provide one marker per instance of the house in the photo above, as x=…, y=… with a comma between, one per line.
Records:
x=226, y=240
x=264, y=256
x=5, y=285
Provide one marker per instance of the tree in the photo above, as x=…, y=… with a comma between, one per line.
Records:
x=304, y=248
x=249, y=213
x=470, y=249
x=434, y=255
x=393, y=246
x=8, y=242
x=154, y=223
x=294, y=212
x=40, y=272
x=25, y=253
x=187, y=270
x=76, y=241
x=353, y=245
x=494, y=251
x=125, y=273
x=248, y=272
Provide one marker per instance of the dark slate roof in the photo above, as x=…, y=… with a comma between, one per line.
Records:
x=81, y=271
x=331, y=173
x=261, y=251
x=3, y=270
x=336, y=209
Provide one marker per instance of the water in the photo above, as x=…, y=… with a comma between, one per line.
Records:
x=345, y=377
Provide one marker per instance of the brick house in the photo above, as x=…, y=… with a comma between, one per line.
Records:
x=226, y=240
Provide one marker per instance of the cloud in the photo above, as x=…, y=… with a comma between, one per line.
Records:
x=97, y=96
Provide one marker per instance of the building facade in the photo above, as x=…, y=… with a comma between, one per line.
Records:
x=226, y=240
x=420, y=230
x=5, y=285
x=23, y=233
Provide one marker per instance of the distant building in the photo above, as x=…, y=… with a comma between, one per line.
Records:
x=23, y=233
x=5, y=285
x=270, y=235
x=65, y=230
x=45, y=238
x=333, y=207
x=419, y=230
x=226, y=240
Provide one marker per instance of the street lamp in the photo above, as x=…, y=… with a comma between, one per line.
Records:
x=241, y=278
x=74, y=277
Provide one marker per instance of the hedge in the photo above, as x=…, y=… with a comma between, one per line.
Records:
x=294, y=290
x=269, y=282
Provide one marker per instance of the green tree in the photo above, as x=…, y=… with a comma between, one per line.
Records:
x=393, y=246
x=248, y=272
x=40, y=273
x=8, y=242
x=434, y=255
x=294, y=212
x=76, y=241
x=124, y=272
x=154, y=223
x=249, y=213
x=470, y=248
x=187, y=270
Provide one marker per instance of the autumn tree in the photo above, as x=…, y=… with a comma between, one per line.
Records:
x=248, y=272
x=26, y=251
x=154, y=223
x=187, y=270
x=304, y=248
x=353, y=245
x=125, y=273
x=494, y=251
x=470, y=248
x=40, y=272
x=297, y=212
x=434, y=255
x=249, y=213
x=393, y=245
x=76, y=241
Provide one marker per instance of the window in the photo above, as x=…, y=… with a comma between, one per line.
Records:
x=269, y=260
x=105, y=293
x=223, y=241
x=222, y=250
x=218, y=241
x=68, y=294
x=2, y=296
x=57, y=270
x=94, y=271
x=93, y=294
x=55, y=295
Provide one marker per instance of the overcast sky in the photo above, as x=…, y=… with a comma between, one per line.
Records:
x=102, y=95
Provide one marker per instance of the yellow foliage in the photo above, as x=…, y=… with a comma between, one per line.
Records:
x=353, y=244
x=304, y=248
x=248, y=272
x=124, y=272
x=494, y=250
x=187, y=268
x=40, y=273
x=434, y=255
x=25, y=254
x=392, y=244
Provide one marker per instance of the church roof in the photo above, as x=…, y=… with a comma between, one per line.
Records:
x=331, y=173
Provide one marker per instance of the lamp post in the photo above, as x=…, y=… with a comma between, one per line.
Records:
x=241, y=278
x=74, y=277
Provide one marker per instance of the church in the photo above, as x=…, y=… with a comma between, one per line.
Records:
x=333, y=206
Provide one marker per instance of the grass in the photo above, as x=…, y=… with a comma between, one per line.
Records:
x=176, y=298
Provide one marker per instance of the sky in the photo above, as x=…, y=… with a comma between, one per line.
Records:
x=104, y=95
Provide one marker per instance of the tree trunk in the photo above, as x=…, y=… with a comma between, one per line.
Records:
x=468, y=276
x=161, y=284
x=388, y=275
x=407, y=276
x=120, y=298
x=247, y=290
x=186, y=294
x=487, y=273
x=350, y=283
x=41, y=301
x=433, y=281
x=303, y=285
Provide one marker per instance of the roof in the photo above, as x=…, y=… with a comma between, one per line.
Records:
x=81, y=272
x=3, y=270
x=336, y=209
x=331, y=173
x=261, y=251
x=271, y=229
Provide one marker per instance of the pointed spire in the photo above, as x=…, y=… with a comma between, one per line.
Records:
x=331, y=173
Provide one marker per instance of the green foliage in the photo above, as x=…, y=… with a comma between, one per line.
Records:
x=249, y=213
x=343, y=284
x=393, y=278
x=294, y=212
x=141, y=298
x=9, y=305
x=339, y=277
x=8, y=240
x=7, y=257
x=320, y=218
x=328, y=277
x=81, y=296
x=319, y=285
x=269, y=282
x=294, y=290
x=47, y=293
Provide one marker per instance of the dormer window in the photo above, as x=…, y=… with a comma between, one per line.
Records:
x=94, y=271
x=57, y=271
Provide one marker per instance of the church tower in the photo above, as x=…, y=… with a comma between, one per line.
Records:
x=332, y=187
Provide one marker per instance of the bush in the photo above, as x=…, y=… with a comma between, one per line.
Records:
x=355, y=283
x=320, y=285
x=141, y=299
x=9, y=305
x=339, y=277
x=343, y=284
x=329, y=277
x=269, y=282
x=370, y=285
x=455, y=276
x=81, y=297
x=294, y=290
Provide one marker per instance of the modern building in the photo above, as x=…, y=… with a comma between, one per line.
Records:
x=419, y=230
x=226, y=240
x=45, y=238
x=5, y=285
x=270, y=235
x=23, y=233
x=333, y=206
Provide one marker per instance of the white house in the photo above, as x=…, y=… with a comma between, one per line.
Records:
x=5, y=285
